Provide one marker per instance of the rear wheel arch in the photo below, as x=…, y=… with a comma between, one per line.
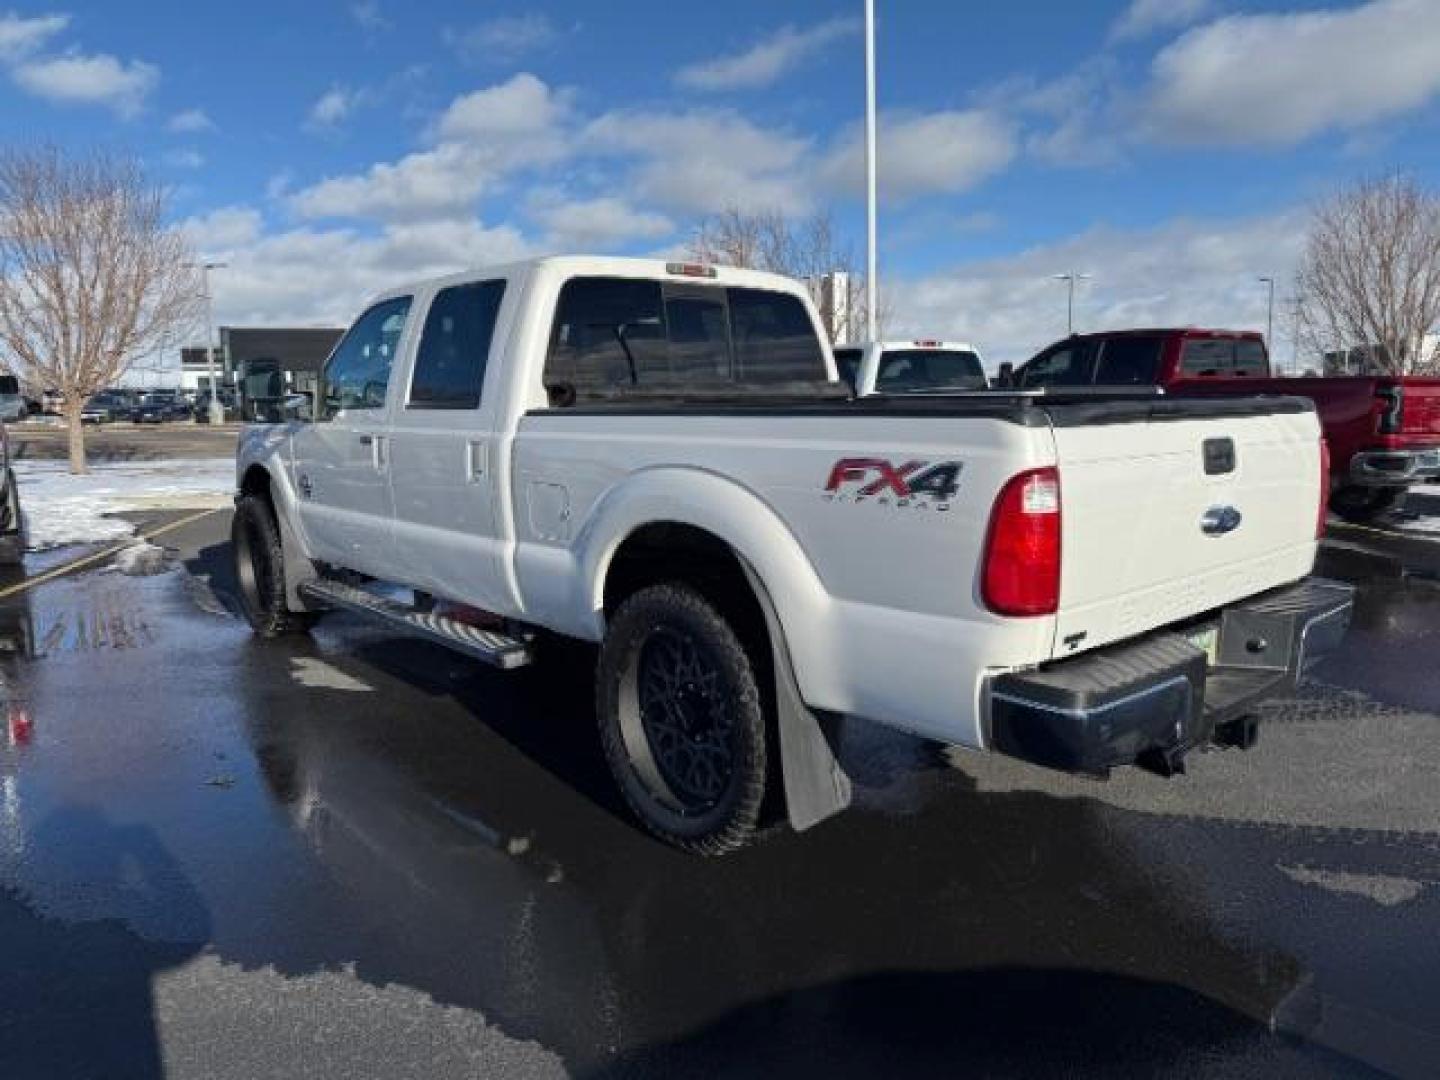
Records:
x=671, y=551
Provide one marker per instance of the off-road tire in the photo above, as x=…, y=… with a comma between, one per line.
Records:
x=260, y=570
x=658, y=617
x=1362, y=505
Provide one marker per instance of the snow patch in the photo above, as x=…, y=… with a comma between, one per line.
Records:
x=1384, y=889
x=318, y=675
x=63, y=509
x=140, y=559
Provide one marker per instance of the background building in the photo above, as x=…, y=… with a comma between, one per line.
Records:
x=261, y=364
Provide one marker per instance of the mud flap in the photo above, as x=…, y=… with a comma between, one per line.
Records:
x=816, y=785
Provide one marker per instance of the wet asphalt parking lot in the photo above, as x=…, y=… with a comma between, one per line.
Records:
x=351, y=855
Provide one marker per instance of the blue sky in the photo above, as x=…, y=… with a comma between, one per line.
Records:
x=328, y=148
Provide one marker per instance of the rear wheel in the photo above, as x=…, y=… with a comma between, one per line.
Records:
x=260, y=570
x=681, y=720
x=1364, y=504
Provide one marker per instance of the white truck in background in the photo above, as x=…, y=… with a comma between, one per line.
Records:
x=658, y=458
x=911, y=367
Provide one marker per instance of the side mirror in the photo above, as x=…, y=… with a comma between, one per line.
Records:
x=298, y=406
x=1006, y=378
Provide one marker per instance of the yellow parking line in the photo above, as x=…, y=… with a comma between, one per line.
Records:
x=90, y=560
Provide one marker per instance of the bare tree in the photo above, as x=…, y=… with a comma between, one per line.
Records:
x=92, y=274
x=1369, y=278
x=807, y=249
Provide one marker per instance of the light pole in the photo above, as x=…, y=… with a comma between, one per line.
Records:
x=217, y=410
x=1269, y=312
x=871, y=209
x=1071, y=278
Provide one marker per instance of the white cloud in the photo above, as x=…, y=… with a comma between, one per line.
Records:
x=1278, y=79
x=1145, y=17
x=190, y=122
x=503, y=39
x=80, y=79
x=429, y=183
x=21, y=36
x=480, y=138
x=515, y=123
x=332, y=108
x=368, y=15
x=767, y=61
x=1181, y=272
x=595, y=224
x=706, y=160
x=185, y=159
x=223, y=230
x=925, y=154
x=309, y=276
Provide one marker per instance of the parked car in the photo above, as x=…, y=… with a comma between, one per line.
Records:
x=201, y=409
x=910, y=367
x=657, y=457
x=104, y=408
x=153, y=409
x=1383, y=432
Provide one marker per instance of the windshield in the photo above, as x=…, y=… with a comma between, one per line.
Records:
x=907, y=371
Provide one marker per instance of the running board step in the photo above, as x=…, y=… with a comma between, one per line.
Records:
x=491, y=646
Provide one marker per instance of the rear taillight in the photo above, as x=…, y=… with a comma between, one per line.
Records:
x=1324, y=488
x=1022, y=553
x=1390, y=409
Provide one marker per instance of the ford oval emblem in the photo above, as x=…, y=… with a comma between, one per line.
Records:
x=1219, y=520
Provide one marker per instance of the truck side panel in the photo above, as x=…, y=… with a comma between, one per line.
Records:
x=875, y=582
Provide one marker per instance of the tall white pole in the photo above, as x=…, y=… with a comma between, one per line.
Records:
x=216, y=409
x=871, y=228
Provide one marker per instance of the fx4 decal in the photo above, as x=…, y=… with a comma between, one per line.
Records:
x=923, y=485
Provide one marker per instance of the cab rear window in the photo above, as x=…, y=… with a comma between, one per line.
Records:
x=908, y=371
x=611, y=334
x=1223, y=356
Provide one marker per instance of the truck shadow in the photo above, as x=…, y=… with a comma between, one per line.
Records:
x=488, y=862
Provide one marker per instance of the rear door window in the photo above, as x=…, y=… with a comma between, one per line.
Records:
x=455, y=346
x=1129, y=361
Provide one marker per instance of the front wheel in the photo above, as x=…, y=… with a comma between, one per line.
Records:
x=1361, y=505
x=260, y=570
x=681, y=720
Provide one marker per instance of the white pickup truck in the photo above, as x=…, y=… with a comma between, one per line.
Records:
x=911, y=367
x=658, y=458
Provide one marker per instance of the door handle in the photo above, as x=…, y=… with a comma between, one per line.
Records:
x=376, y=443
x=476, y=456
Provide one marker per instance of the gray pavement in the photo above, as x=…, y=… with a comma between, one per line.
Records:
x=350, y=855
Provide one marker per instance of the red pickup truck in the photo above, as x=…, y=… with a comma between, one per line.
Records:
x=1383, y=430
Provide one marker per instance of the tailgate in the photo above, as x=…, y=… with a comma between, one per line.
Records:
x=1421, y=413
x=1168, y=518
